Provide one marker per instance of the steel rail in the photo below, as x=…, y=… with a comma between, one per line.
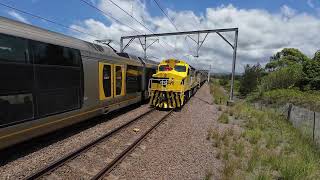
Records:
x=54, y=165
x=107, y=169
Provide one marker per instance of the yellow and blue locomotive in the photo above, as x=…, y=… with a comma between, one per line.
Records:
x=173, y=84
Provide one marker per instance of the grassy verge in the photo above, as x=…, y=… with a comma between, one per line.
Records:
x=218, y=93
x=310, y=100
x=265, y=146
x=227, y=84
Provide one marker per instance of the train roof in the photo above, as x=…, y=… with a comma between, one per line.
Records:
x=19, y=29
x=149, y=63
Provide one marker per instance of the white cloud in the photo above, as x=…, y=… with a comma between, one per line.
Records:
x=18, y=16
x=287, y=11
x=310, y=3
x=261, y=33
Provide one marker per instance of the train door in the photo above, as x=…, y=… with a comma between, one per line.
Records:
x=106, y=82
x=119, y=80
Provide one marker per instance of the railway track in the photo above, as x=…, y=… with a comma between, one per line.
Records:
x=103, y=154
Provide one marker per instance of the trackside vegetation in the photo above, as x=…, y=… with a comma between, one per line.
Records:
x=261, y=144
x=288, y=77
x=219, y=94
x=255, y=144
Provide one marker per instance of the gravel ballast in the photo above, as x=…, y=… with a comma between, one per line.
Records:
x=178, y=148
x=25, y=165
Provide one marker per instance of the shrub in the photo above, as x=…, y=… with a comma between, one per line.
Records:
x=286, y=77
x=224, y=118
x=250, y=79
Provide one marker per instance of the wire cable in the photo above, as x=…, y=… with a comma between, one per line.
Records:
x=170, y=20
x=109, y=15
x=157, y=3
x=141, y=23
x=45, y=19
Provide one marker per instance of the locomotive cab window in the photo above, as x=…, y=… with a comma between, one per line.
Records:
x=180, y=68
x=165, y=68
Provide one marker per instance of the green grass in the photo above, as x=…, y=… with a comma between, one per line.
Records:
x=277, y=146
x=268, y=147
x=224, y=118
x=219, y=95
x=309, y=99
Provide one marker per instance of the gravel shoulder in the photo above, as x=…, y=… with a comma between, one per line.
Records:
x=178, y=148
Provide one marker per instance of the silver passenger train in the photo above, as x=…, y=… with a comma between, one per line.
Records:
x=49, y=81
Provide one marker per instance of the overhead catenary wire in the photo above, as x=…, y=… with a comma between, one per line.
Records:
x=109, y=15
x=130, y=16
x=157, y=3
x=52, y=21
x=141, y=23
x=170, y=20
x=45, y=19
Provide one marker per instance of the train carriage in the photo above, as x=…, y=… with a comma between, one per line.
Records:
x=49, y=81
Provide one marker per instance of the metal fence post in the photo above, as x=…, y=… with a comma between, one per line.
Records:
x=314, y=124
x=289, y=112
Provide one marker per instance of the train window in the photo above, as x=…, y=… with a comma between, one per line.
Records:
x=165, y=68
x=58, y=75
x=13, y=49
x=57, y=101
x=50, y=54
x=107, y=80
x=15, y=108
x=133, y=79
x=180, y=68
x=118, y=80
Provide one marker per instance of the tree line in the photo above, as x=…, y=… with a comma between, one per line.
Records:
x=289, y=68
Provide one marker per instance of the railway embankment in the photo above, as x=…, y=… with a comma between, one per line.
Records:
x=262, y=143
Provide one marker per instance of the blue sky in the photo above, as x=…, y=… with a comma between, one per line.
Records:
x=72, y=11
x=265, y=26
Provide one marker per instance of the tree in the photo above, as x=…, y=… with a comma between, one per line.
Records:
x=283, y=78
x=284, y=58
x=250, y=79
x=316, y=56
x=311, y=70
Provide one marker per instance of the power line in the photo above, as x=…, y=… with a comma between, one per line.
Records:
x=130, y=16
x=45, y=19
x=109, y=15
x=158, y=4
x=166, y=14
x=141, y=23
